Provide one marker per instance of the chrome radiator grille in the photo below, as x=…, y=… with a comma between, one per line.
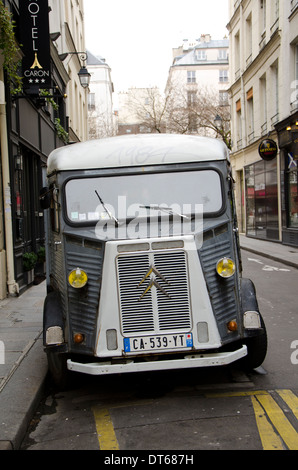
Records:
x=153, y=292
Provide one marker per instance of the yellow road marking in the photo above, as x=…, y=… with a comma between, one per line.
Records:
x=105, y=430
x=273, y=426
x=236, y=394
x=272, y=423
x=270, y=440
x=279, y=421
x=290, y=399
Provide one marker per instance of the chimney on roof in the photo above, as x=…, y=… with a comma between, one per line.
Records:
x=205, y=38
x=185, y=44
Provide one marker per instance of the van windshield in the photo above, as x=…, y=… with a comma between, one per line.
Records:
x=125, y=197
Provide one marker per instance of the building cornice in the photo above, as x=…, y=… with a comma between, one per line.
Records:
x=287, y=121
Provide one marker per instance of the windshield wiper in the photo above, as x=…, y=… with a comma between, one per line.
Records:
x=166, y=209
x=106, y=209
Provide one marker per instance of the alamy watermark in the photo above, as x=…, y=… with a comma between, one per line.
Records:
x=294, y=355
x=2, y=353
x=139, y=221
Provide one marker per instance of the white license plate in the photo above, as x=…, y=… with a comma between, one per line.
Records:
x=156, y=343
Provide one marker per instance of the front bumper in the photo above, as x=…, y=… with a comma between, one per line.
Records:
x=188, y=362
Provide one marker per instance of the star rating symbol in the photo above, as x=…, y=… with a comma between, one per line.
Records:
x=36, y=80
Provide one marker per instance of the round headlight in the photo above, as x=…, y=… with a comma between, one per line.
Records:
x=225, y=267
x=78, y=278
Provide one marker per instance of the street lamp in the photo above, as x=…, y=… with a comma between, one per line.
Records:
x=84, y=75
x=217, y=121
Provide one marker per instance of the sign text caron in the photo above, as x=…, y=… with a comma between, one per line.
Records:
x=35, y=40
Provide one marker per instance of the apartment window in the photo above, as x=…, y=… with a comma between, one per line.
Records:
x=263, y=8
x=294, y=83
x=237, y=55
x=191, y=98
x=250, y=115
x=296, y=61
x=91, y=101
x=263, y=103
x=222, y=54
x=223, y=98
x=239, y=124
x=274, y=93
x=192, y=122
x=223, y=76
x=248, y=42
x=274, y=16
x=262, y=23
x=191, y=77
x=201, y=55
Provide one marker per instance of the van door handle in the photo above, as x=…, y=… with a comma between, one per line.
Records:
x=56, y=244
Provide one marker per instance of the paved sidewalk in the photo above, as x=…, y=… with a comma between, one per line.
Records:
x=274, y=251
x=25, y=366
x=24, y=370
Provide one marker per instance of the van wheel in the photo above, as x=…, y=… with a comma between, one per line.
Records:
x=58, y=369
x=256, y=350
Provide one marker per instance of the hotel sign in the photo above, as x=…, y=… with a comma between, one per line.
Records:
x=35, y=40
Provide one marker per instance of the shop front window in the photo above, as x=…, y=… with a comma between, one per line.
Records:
x=250, y=200
x=292, y=191
x=262, y=200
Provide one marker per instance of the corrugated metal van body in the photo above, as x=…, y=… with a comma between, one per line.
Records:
x=154, y=297
x=171, y=305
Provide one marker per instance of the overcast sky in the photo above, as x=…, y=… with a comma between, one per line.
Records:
x=136, y=37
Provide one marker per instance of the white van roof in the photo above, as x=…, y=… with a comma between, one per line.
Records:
x=136, y=150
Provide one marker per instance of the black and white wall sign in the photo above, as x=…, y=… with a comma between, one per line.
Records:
x=35, y=40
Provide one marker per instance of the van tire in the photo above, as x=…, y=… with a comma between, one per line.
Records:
x=256, y=350
x=58, y=369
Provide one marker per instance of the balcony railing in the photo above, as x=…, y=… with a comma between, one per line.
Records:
x=251, y=137
x=239, y=144
x=263, y=40
x=249, y=60
x=275, y=26
x=294, y=107
x=294, y=5
x=236, y=4
x=264, y=129
x=274, y=119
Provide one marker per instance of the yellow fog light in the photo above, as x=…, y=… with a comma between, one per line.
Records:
x=78, y=278
x=225, y=267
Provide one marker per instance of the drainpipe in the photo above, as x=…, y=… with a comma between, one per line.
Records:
x=12, y=286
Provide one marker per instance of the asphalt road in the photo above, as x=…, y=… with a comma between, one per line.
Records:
x=276, y=286
x=187, y=411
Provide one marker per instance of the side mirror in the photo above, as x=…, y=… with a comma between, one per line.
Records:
x=45, y=196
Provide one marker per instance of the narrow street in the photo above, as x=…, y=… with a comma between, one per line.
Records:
x=132, y=173
x=189, y=410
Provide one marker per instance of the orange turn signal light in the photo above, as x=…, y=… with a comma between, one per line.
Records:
x=232, y=325
x=78, y=338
